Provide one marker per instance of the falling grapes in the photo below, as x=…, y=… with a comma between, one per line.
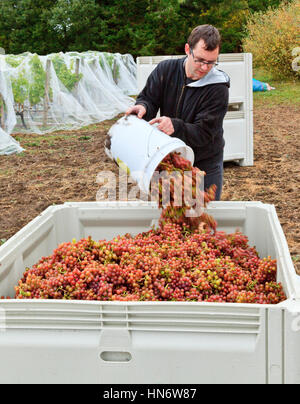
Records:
x=174, y=163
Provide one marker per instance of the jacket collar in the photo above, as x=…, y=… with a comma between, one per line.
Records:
x=215, y=76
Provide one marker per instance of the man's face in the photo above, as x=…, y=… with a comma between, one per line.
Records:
x=194, y=67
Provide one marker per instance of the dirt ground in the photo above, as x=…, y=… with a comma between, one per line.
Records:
x=63, y=166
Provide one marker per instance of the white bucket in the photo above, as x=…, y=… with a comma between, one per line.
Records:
x=139, y=147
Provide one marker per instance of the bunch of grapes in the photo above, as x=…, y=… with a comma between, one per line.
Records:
x=164, y=264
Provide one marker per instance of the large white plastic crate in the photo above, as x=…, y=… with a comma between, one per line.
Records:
x=55, y=341
x=238, y=122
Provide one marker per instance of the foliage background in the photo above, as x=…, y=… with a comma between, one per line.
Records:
x=139, y=27
x=272, y=38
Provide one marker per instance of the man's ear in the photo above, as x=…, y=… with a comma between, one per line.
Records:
x=187, y=49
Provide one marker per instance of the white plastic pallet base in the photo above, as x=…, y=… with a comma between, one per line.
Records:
x=238, y=125
x=55, y=341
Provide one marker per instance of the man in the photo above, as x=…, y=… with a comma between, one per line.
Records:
x=192, y=96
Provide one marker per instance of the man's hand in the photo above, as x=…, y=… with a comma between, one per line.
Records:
x=165, y=124
x=138, y=110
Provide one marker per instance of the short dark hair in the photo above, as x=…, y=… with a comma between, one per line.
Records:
x=208, y=33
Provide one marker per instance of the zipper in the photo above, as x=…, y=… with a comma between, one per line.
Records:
x=181, y=94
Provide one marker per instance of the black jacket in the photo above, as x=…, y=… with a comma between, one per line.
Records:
x=197, y=109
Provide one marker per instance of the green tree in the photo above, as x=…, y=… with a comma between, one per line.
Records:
x=272, y=37
x=121, y=27
x=24, y=26
x=139, y=27
x=164, y=22
x=229, y=16
x=76, y=24
x=262, y=5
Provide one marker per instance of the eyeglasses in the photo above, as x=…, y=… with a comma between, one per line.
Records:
x=201, y=62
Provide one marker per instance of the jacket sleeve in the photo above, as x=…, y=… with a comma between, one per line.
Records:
x=150, y=96
x=208, y=122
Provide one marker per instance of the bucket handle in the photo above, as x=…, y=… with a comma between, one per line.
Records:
x=149, y=135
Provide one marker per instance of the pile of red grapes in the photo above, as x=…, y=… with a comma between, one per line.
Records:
x=165, y=264
x=184, y=259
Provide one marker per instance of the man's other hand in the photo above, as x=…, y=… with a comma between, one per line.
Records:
x=165, y=124
x=138, y=110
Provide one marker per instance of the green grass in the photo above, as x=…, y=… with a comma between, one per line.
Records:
x=31, y=144
x=22, y=154
x=37, y=140
x=286, y=92
x=84, y=137
x=90, y=127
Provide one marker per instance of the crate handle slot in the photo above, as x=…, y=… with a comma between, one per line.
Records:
x=115, y=356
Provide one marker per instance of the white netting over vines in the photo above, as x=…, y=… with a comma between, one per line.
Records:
x=8, y=145
x=41, y=94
